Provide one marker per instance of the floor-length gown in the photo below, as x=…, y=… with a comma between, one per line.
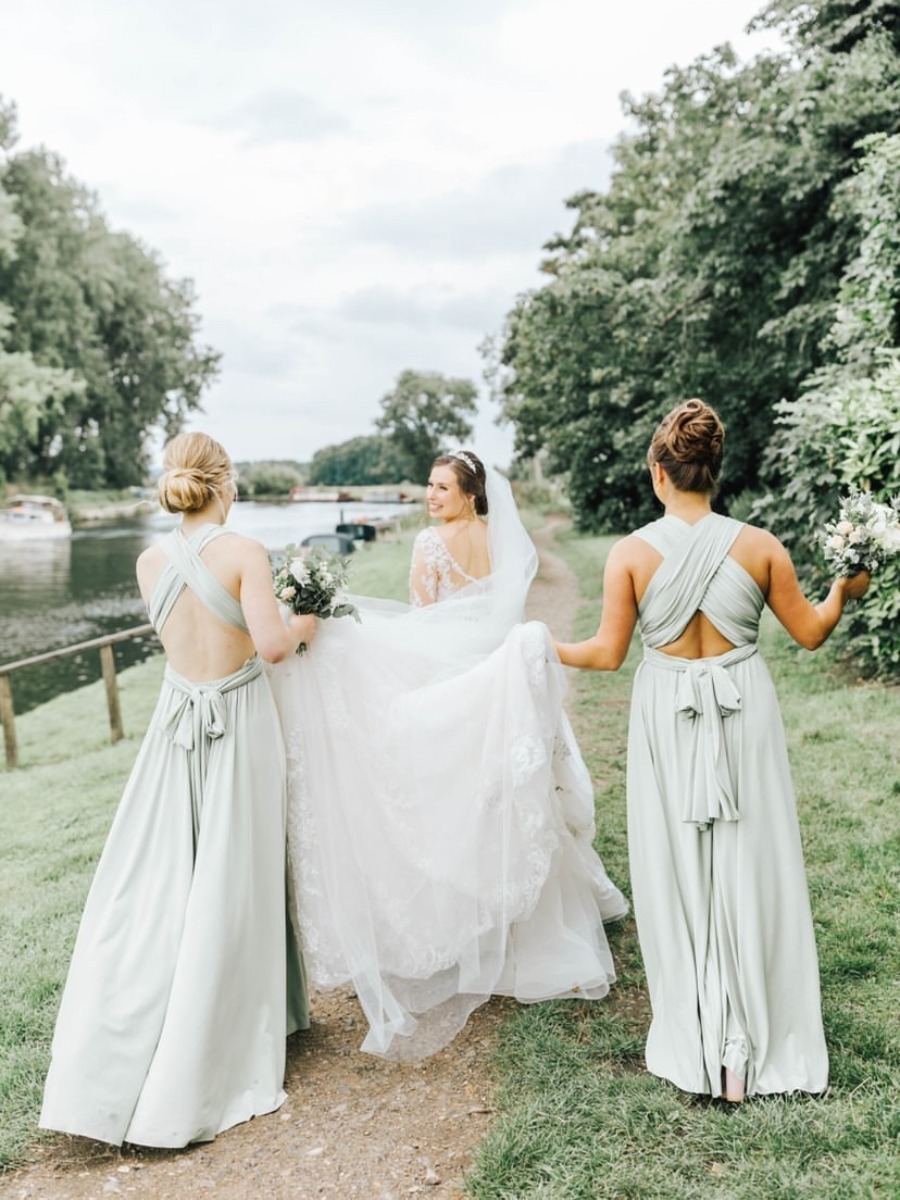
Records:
x=174, y=1016
x=440, y=817
x=717, y=870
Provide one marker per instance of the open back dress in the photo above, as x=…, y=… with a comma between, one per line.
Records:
x=174, y=1016
x=719, y=886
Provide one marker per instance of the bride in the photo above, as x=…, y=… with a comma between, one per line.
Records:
x=440, y=816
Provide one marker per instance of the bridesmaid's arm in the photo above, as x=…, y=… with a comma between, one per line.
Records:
x=808, y=624
x=274, y=640
x=606, y=650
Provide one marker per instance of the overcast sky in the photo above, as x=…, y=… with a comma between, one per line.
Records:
x=355, y=186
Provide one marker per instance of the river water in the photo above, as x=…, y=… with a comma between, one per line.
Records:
x=53, y=594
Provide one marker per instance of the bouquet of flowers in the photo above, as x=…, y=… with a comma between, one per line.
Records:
x=313, y=585
x=864, y=536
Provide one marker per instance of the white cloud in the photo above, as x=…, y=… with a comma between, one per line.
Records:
x=279, y=115
x=514, y=208
x=355, y=186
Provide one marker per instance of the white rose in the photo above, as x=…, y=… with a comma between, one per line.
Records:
x=299, y=570
x=287, y=593
x=835, y=542
x=890, y=539
x=857, y=536
x=844, y=527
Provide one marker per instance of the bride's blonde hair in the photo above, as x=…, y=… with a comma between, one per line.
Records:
x=195, y=470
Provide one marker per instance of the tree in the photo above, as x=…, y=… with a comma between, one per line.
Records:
x=713, y=264
x=97, y=306
x=370, y=459
x=28, y=392
x=843, y=430
x=423, y=412
x=269, y=478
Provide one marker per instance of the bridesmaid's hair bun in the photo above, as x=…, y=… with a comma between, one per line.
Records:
x=688, y=445
x=470, y=475
x=195, y=470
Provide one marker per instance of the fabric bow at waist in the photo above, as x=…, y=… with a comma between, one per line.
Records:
x=706, y=693
x=197, y=717
x=199, y=712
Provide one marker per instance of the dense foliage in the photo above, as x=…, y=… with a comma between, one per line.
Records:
x=270, y=479
x=712, y=265
x=746, y=251
x=369, y=459
x=98, y=347
x=843, y=430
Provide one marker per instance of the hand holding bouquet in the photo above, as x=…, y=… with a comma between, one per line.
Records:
x=865, y=535
x=314, y=585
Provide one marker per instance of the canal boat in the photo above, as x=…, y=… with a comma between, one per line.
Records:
x=26, y=518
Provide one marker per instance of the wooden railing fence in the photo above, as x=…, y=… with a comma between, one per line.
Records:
x=107, y=665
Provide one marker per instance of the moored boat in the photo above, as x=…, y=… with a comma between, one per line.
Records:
x=33, y=517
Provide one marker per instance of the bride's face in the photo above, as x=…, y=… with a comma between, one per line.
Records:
x=446, y=499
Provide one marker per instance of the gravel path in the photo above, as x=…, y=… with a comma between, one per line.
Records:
x=353, y=1125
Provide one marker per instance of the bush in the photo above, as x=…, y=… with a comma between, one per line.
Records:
x=845, y=432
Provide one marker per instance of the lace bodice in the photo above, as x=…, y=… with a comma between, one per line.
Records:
x=434, y=573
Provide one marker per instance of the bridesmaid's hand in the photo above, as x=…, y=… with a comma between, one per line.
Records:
x=304, y=627
x=857, y=585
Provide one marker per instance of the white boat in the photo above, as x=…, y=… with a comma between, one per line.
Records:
x=33, y=517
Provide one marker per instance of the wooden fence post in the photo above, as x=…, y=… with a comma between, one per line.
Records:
x=108, y=664
x=108, y=667
x=9, y=722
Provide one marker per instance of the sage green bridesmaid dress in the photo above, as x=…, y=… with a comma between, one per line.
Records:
x=174, y=1016
x=719, y=886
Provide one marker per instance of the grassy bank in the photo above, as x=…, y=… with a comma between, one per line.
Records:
x=579, y=1119
x=54, y=812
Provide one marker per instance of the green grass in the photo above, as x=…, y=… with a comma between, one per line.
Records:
x=55, y=811
x=579, y=1118
x=382, y=568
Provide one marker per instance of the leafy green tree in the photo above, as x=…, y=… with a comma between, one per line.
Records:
x=712, y=264
x=96, y=305
x=270, y=479
x=27, y=391
x=836, y=25
x=370, y=459
x=843, y=430
x=423, y=412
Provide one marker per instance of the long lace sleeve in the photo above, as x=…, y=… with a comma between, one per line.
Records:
x=424, y=572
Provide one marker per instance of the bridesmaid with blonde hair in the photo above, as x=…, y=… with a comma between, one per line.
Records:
x=185, y=978
x=717, y=870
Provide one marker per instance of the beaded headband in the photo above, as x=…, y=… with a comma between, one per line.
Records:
x=465, y=458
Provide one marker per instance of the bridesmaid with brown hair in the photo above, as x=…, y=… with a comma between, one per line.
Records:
x=717, y=870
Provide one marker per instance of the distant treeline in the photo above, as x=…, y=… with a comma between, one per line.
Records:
x=423, y=413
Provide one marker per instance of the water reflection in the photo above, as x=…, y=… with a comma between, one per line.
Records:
x=56, y=593
x=26, y=567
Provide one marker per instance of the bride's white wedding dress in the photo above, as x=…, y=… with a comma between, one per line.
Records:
x=440, y=816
